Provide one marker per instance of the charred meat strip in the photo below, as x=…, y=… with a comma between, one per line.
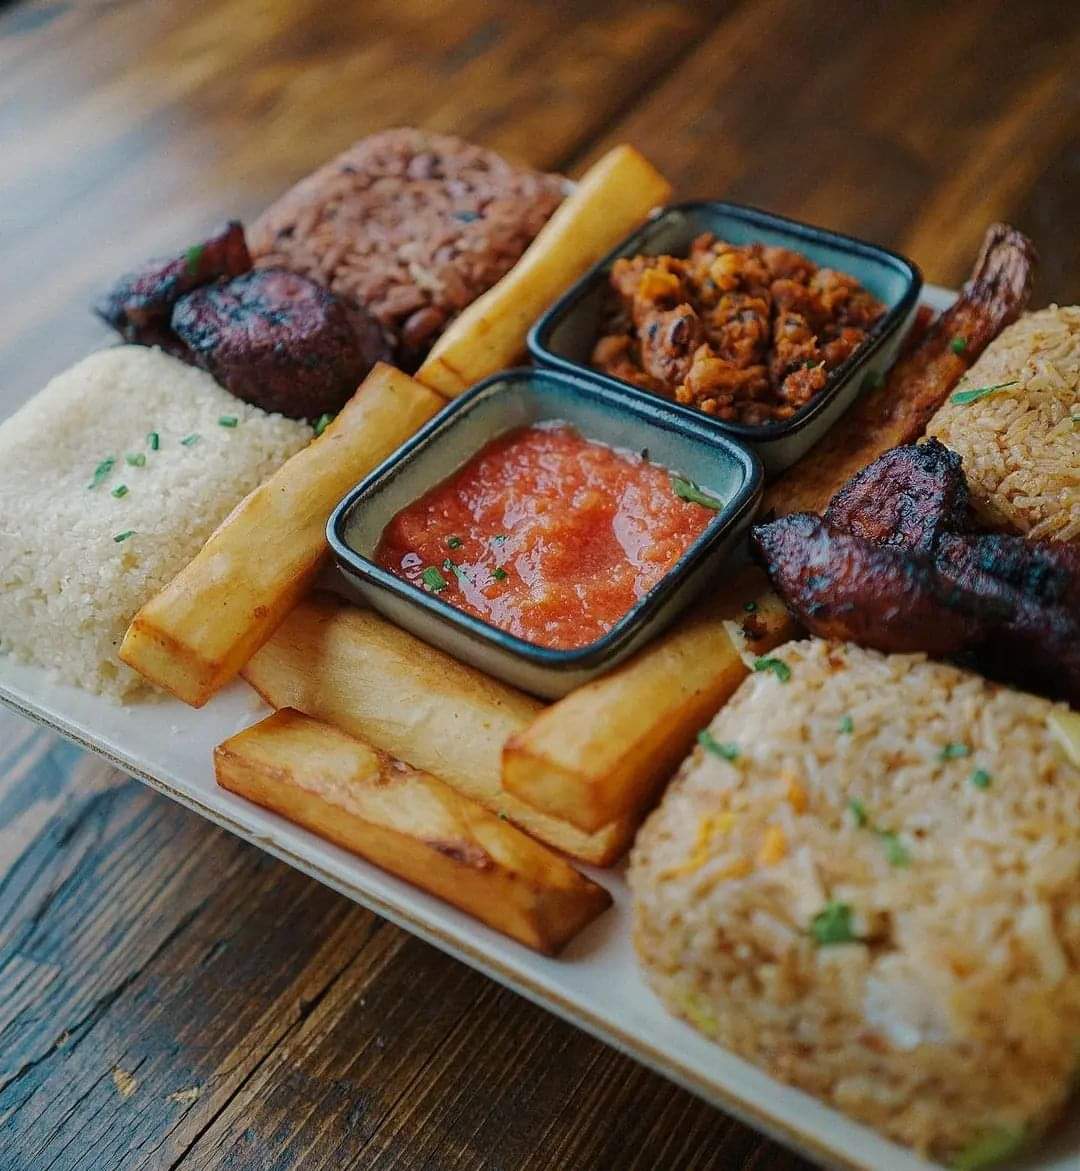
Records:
x=280, y=341
x=139, y=305
x=898, y=412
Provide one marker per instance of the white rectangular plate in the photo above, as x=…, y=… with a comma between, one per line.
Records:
x=595, y=983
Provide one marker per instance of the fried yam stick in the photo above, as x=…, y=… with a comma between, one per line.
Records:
x=918, y=384
x=410, y=823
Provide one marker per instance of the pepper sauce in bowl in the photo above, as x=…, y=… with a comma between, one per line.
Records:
x=547, y=535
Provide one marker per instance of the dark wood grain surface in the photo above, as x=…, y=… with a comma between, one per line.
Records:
x=172, y=998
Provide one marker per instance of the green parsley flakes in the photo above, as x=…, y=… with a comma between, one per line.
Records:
x=981, y=779
x=433, y=580
x=832, y=925
x=102, y=471
x=954, y=752
x=895, y=851
x=689, y=491
x=709, y=742
x=228, y=421
x=958, y=345
x=858, y=812
x=963, y=397
x=153, y=440
x=499, y=574
x=119, y=491
x=454, y=542
x=135, y=459
x=191, y=440
x=124, y=535
x=846, y=726
x=322, y=422
x=777, y=666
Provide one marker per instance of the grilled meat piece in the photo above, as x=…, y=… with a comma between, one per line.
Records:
x=139, y=305
x=845, y=587
x=898, y=412
x=908, y=497
x=278, y=340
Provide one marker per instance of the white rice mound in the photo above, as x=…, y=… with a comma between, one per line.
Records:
x=1021, y=445
x=952, y=1020
x=68, y=589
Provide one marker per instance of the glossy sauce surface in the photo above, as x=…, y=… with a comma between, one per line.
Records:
x=546, y=534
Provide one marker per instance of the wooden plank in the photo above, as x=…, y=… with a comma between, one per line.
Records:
x=128, y=129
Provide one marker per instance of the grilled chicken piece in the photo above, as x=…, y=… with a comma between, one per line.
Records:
x=898, y=412
x=908, y=497
x=139, y=305
x=278, y=340
x=845, y=587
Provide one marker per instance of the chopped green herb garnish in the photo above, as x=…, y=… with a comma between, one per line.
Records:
x=991, y=1147
x=709, y=742
x=228, y=421
x=124, y=535
x=498, y=538
x=433, y=579
x=777, y=666
x=689, y=491
x=321, y=423
x=193, y=255
x=958, y=345
x=503, y=816
x=858, y=812
x=191, y=440
x=832, y=925
x=895, y=850
x=453, y=542
x=750, y=607
x=963, y=397
x=120, y=490
x=847, y=725
x=499, y=574
x=135, y=459
x=980, y=778
x=154, y=440
x=448, y=564
x=102, y=471
x=954, y=752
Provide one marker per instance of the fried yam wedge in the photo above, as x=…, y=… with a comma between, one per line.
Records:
x=614, y=196
x=196, y=634
x=604, y=751
x=410, y=823
x=898, y=412
x=354, y=669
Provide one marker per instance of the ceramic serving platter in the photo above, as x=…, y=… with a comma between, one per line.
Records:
x=595, y=984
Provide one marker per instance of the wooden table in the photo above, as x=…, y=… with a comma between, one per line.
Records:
x=171, y=997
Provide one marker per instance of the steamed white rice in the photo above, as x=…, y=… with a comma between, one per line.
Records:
x=68, y=587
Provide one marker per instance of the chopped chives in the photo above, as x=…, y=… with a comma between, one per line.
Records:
x=322, y=422
x=980, y=778
x=709, y=742
x=954, y=752
x=958, y=345
x=777, y=666
x=135, y=459
x=433, y=579
x=191, y=440
x=689, y=491
x=102, y=471
x=499, y=574
x=832, y=925
x=453, y=542
x=228, y=421
x=963, y=397
x=847, y=725
x=124, y=535
x=120, y=490
x=154, y=440
x=895, y=850
x=858, y=812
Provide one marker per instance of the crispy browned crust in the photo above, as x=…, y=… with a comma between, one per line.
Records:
x=898, y=412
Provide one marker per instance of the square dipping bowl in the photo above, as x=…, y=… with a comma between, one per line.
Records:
x=519, y=398
x=564, y=336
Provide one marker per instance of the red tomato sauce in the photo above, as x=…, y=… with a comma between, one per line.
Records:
x=545, y=534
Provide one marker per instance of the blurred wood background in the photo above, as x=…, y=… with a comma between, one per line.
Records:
x=172, y=998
